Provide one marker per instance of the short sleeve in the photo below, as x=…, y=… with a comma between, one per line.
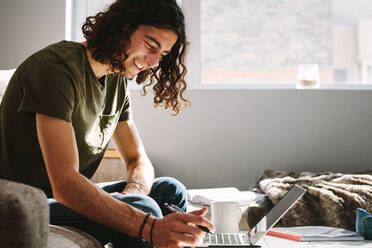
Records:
x=126, y=113
x=48, y=91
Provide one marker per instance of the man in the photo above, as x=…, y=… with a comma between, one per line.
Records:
x=65, y=102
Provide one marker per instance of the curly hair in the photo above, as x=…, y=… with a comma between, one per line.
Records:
x=108, y=34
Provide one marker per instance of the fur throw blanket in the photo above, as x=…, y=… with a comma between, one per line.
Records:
x=331, y=198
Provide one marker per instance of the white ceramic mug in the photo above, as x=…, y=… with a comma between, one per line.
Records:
x=225, y=216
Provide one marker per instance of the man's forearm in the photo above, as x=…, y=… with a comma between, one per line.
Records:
x=141, y=171
x=83, y=197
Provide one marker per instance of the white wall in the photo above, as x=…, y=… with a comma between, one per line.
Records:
x=27, y=26
x=227, y=137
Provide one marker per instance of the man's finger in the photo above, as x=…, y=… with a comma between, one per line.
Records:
x=188, y=229
x=200, y=212
x=195, y=219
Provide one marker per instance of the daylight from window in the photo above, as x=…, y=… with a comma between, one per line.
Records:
x=264, y=41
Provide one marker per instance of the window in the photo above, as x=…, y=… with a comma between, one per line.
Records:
x=243, y=43
x=255, y=42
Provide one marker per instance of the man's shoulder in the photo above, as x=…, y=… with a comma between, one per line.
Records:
x=60, y=50
x=62, y=59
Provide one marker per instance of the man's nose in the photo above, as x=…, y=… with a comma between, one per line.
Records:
x=152, y=60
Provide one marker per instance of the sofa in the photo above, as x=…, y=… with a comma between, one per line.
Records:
x=24, y=213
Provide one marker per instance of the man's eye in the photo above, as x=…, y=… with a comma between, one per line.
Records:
x=149, y=45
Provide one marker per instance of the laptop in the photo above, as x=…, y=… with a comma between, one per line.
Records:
x=251, y=238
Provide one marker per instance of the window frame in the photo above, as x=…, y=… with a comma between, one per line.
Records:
x=76, y=12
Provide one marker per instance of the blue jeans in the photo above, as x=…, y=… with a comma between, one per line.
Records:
x=164, y=189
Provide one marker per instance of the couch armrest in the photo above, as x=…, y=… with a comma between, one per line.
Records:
x=24, y=216
x=5, y=76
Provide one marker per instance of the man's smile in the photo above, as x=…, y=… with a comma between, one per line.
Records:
x=138, y=65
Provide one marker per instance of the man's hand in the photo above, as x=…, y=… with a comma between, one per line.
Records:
x=135, y=188
x=177, y=228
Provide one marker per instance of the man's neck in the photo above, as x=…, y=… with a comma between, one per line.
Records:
x=98, y=68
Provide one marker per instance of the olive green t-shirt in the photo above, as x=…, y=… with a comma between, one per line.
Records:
x=58, y=81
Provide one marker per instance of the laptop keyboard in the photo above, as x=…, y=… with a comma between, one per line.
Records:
x=226, y=239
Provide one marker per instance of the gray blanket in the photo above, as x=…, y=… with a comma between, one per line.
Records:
x=331, y=198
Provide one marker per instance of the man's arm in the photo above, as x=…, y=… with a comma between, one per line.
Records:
x=58, y=145
x=140, y=172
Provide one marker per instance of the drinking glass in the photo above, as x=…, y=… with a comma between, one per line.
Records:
x=308, y=76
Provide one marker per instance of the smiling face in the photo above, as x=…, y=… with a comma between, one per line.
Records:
x=146, y=48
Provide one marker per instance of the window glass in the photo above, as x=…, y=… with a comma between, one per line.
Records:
x=95, y=6
x=256, y=41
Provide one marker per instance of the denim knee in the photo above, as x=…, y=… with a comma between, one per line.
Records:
x=170, y=185
x=170, y=190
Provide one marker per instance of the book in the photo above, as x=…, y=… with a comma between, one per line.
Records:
x=314, y=233
x=206, y=196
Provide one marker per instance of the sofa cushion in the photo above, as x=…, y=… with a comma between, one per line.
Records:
x=24, y=215
x=68, y=237
x=5, y=76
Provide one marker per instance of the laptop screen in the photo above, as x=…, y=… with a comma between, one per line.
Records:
x=276, y=213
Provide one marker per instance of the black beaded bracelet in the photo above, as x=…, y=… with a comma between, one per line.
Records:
x=152, y=227
x=143, y=224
